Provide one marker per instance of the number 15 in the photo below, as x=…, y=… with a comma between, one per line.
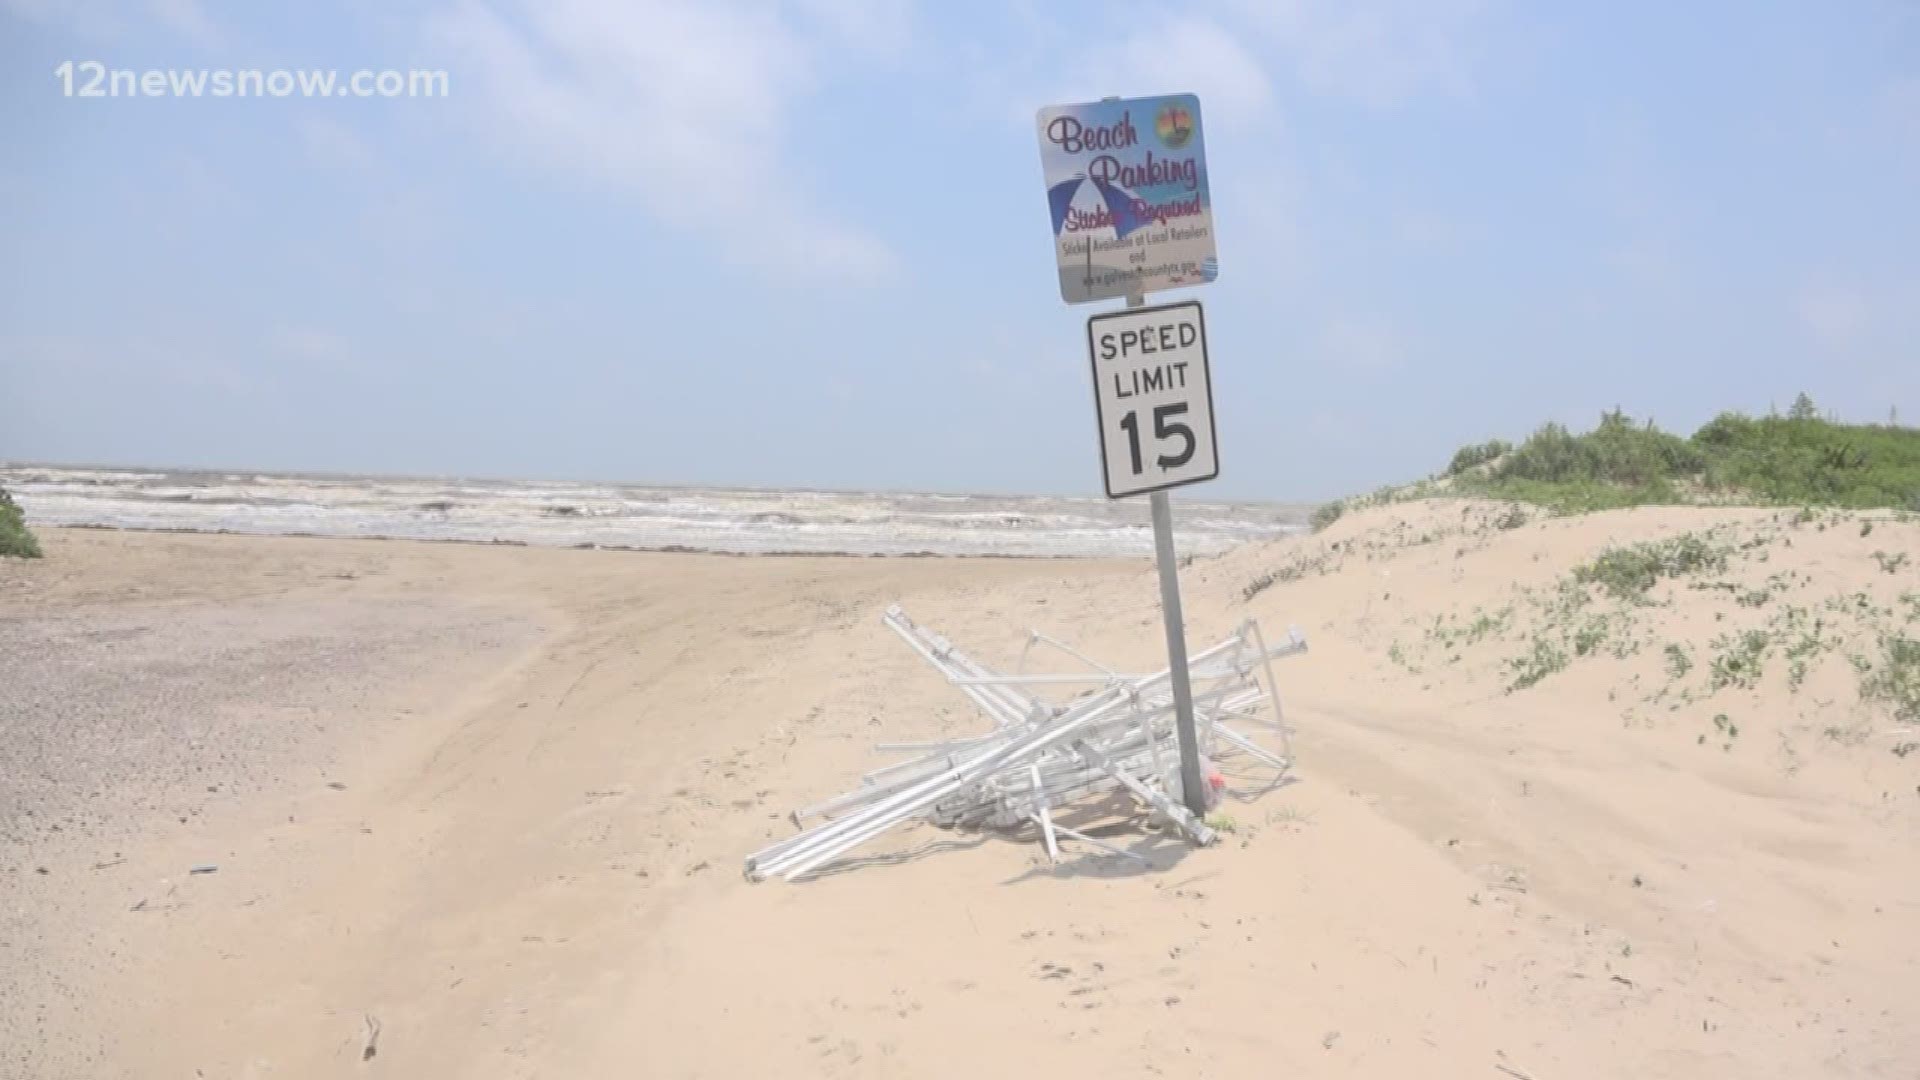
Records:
x=1163, y=428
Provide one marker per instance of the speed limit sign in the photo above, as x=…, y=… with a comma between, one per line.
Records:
x=1153, y=397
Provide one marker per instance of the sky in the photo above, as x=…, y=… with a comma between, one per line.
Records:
x=806, y=244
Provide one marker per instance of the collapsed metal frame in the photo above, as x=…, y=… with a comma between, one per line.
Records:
x=1041, y=755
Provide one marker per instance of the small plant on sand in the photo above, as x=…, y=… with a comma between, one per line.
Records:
x=1326, y=514
x=1726, y=728
x=1591, y=634
x=15, y=540
x=1678, y=662
x=1483, y=624
x=1804, y=641
x=1626, y=573
x=1896, y=678
x=1890, y=564
x=1544, y=659
x=1398, y=655
x=1738, y=663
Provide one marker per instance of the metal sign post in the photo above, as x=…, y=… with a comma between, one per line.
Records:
x=1191, y=790
x=1127, y=191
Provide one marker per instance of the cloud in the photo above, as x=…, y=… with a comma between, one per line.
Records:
x=1375, y=52
x=682, y=104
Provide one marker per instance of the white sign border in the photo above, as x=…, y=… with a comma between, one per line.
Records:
x=1100, y=413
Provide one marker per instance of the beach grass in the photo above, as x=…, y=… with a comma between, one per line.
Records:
x=15, y=539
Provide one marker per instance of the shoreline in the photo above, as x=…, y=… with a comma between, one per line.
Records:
x=748, y=489
x=612, y=517
x=670, y=549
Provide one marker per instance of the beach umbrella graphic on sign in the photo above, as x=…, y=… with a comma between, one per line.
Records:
x=1091, y=196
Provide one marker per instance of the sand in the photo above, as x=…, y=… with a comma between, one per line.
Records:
x=490, y=803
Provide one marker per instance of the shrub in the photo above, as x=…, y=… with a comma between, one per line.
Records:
x=1326, y=514
x=1552, y=453
x=1805, y=460
x=1476, y=455
x=1796, y=460
x=15, y=540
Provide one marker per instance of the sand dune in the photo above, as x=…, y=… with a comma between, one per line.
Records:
x=1525, y=838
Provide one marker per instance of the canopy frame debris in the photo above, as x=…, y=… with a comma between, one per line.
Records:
x=1041, y=756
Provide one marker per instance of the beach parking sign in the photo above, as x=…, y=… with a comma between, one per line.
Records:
x=1127, y=193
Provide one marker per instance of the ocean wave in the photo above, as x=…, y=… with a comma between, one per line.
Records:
x=561, y=514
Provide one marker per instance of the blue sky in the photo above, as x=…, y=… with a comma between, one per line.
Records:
x=806, y=244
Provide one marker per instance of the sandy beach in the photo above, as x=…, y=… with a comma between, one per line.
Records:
x=481, y=809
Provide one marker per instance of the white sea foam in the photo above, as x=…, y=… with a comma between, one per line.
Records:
x=564, y=514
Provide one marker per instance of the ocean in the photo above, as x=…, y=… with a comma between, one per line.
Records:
x=630, y=516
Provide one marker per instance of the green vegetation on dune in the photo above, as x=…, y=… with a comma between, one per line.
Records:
x=15, y=540
x=1776, y=631
x=1798, y=459
x=1626, y=573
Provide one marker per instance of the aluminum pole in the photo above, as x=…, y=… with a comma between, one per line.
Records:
x=1192, y=793
x=1191, y=790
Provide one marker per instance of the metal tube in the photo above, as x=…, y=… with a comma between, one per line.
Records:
x=1044, y=755
x=841, y=836
x=1192, y=791
x=1075, y=653
x=1250, y=747
x=861, y=825
x=942, y=654
x=937, y=654
x=1273, y=686
x=1039, y=680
